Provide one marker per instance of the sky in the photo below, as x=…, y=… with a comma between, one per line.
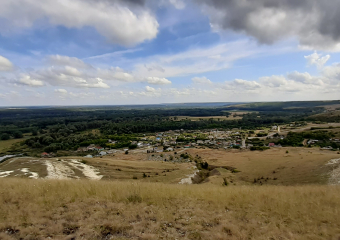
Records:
x=117, y=52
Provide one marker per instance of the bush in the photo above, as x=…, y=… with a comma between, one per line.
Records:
x=134, y=198
x=17, y=135
x=225, y=182
x=133, y=146
x=4, y=136
x=259, y=148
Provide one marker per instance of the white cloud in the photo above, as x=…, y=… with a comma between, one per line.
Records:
x=317, y=59
x=118, y=21
x=60, y=90
x=305, y=78
x=201, y=80
x=179, y=4
x=116, y=74
x=150, y=89
x=67, y=61
x=157, y=81
x=275, y=20
x=59, y=77
x=27, y=80
x=273, y=81
x=249, y=85
x=194, y=61
x=5, y=64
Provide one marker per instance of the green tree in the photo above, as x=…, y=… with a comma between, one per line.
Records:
x=4, y=136
x=17, y=134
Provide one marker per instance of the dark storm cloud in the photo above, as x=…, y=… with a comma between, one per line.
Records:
x=314, y=23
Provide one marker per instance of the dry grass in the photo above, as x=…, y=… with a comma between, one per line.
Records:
x=6, y=144
x=118, y=167
x=70, y=209
x=298, y=166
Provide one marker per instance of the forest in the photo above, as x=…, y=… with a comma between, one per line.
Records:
x=68, y=128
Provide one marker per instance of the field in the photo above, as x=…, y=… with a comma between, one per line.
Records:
x=5, y=144
x=217, y=118
x=119, y=167
x=276, y=166
x=50, y=209
x=298, y=166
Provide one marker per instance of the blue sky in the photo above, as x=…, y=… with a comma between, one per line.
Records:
x=147, y=51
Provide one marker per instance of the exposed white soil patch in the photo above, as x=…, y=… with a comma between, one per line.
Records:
x=28, y=172
x=58, y=170
x=334, y=176
x=188, y=179
x=88, y=171
x=5, y=173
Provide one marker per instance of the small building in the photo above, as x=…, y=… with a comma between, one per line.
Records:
x=45, y=155
x=89, y=156
x=271, y=145
x=98, y=148
x=102, y=153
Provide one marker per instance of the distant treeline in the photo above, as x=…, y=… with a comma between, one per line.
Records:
x=65, y=129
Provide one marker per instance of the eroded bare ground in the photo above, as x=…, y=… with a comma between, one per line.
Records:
x=48, y=169
x=334, y=176
x=278, y=166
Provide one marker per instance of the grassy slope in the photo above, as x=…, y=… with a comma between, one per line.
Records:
x=38, y=209
x=298, y=166
x=4, y=145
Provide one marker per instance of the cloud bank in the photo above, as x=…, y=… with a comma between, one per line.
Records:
x=314, y=23
x=121, y=22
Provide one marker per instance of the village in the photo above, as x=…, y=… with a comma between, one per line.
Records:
x=176, y=140
x=181, y=139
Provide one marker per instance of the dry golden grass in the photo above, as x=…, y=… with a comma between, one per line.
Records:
x=80, y=209
x=298, y=166
x=118, y=167
x=6, y=144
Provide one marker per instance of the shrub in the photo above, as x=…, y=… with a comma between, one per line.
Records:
x=134, y=198
x=133, y=146
x=17, y=134
x=260, y=148
x=225, y=182
x=4, y=136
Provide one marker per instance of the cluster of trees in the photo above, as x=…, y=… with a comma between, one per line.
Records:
x=295, y=139
x=56, y=129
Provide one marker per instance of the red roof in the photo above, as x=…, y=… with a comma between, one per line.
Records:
x=271, y=144
x=44, y=153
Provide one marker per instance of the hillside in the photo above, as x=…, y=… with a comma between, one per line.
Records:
x=49, y=209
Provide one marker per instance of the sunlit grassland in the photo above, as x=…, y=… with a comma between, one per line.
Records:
x=38, y=209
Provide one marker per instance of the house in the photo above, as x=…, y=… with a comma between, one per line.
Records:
x=102, y=153
x=170, y=149
x=45, y=155
x=200, y=142
x=271, y=145
x=88, y=156
x=82, y=149
x=98, y=148
x=91, y=147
